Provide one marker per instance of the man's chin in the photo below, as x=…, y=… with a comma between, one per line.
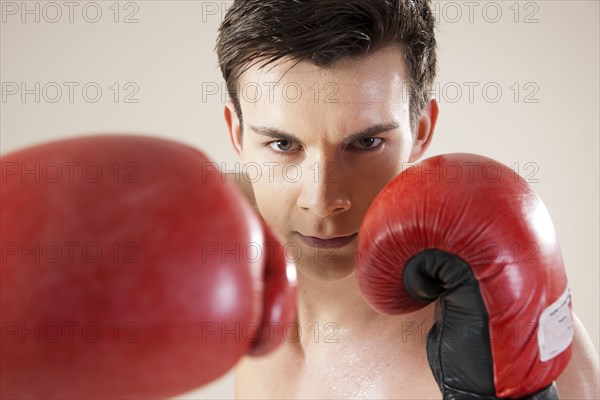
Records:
x=331, y=268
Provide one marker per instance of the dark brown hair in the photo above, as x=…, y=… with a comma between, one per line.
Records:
x=322, y=31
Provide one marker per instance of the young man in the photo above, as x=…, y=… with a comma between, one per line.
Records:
x=329, y=103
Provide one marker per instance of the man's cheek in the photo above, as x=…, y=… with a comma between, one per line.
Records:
x=269, y=207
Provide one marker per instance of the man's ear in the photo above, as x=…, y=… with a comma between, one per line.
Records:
x=425, y=130
x=233, y=125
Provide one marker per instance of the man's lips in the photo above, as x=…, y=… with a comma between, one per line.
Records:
x=328, y=243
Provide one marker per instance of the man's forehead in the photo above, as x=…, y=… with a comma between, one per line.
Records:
x=382, y=65
x=372, y=79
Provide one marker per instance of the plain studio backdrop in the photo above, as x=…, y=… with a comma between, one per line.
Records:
x=518, y=82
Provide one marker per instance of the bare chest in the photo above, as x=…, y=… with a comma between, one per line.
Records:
x=371, y=370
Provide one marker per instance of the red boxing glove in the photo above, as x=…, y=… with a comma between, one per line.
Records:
x=130, y=270
x=469, y=232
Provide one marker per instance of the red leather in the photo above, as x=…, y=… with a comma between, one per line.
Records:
x=279, y=307
x=464, y=204
x=176, y=298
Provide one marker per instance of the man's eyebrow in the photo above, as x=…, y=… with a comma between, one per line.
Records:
x=274, y=133
x=368, y=132
x=372, y=130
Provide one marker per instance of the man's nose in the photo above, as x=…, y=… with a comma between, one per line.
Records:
x=324, y=193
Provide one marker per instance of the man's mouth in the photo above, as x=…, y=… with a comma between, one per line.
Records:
x=327, y=243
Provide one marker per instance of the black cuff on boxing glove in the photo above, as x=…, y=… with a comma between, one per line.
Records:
x=549, y=393
x=458, y=344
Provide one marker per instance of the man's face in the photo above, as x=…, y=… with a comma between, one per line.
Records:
x=311, y=175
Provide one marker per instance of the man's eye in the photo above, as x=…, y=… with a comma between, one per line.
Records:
x=281, y=145
x=369, y=143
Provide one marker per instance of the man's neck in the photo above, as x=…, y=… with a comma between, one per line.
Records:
x=338, y=302
x=336, y=311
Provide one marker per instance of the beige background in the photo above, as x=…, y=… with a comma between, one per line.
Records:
x=549, y=50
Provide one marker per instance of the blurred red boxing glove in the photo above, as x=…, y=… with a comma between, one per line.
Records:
x=468, y=232
x=130, y=270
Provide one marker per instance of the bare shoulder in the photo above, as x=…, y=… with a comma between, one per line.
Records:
x=264, y=377
x=246, y=384
x=242, y=182
x=580, y=379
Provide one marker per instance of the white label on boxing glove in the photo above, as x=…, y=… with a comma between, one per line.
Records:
x=555, y=329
